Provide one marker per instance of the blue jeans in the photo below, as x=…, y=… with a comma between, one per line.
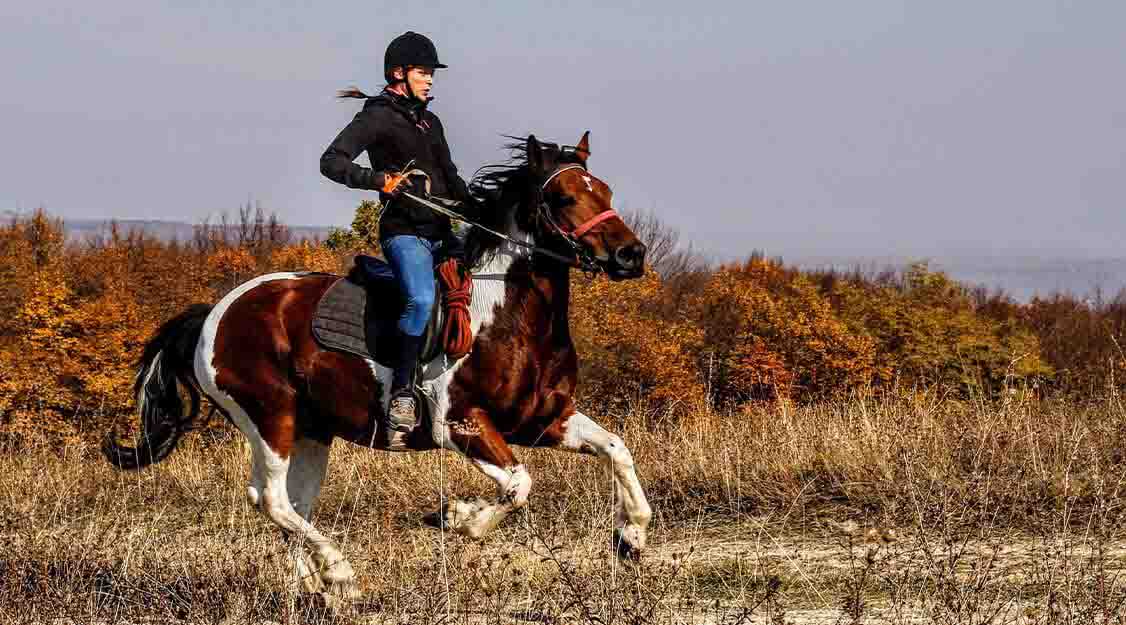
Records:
x=412, y=259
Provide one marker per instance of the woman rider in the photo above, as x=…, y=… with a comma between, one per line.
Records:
x=396, y=129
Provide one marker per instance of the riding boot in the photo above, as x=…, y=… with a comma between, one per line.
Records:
x=401, y=414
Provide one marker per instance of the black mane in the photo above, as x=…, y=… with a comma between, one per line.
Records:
x=507, y=193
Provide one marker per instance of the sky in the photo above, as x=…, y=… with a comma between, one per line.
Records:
x=871, y=128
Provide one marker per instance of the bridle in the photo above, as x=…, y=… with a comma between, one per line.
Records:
x=587, y=261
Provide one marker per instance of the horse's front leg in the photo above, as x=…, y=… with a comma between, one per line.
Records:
x=474, y=436
x=580, y=433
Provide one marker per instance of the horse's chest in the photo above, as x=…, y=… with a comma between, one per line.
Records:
x=522, y=357
x=512, y=381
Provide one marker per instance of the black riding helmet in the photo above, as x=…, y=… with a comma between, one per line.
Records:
x=410, y=48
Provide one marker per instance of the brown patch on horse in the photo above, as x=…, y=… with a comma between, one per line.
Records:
x=475, y=433
x=287, y=383
x=254, y=353
x=523, y=367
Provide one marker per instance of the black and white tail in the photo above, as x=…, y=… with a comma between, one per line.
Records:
x=164, y=367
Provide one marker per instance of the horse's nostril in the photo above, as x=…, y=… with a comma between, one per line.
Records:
x=630, y=256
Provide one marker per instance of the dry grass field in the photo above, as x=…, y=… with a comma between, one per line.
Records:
x=867, y=510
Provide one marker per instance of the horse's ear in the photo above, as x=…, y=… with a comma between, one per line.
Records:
x=535, y=156
x=582, y=148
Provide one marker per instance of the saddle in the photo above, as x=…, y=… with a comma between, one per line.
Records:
x=358, y=314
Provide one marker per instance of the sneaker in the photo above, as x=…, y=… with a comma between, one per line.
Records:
x=400, y=422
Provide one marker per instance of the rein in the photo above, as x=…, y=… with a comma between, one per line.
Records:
x=570, y=262
x=583, y=259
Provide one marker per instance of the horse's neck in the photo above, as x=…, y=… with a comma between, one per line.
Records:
x=510, y=281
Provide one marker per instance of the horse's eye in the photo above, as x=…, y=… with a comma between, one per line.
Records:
x=558, y=200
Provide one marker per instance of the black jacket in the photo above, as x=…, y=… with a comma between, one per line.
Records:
x=396, y=130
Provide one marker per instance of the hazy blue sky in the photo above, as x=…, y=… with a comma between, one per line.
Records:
x=830, y=127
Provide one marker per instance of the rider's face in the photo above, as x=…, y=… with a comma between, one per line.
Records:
x=420, y=79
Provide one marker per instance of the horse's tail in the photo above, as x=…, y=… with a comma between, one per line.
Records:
x=164, y=366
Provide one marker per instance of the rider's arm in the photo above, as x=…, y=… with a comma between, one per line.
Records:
x=336, y=162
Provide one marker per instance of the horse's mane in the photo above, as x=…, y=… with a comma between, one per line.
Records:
x=506, y=194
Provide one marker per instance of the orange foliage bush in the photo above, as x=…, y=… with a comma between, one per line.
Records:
x=928, y=330
x=75, y=316
x=625, y=349
x=770, y=333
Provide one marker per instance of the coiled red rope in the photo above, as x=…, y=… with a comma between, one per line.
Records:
x=458, y=334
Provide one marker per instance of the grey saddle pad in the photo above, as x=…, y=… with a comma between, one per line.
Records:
x=338, y=322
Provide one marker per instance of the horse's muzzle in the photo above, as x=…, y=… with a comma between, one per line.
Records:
x=628, y=261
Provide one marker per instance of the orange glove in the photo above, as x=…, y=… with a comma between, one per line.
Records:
x=392, y=182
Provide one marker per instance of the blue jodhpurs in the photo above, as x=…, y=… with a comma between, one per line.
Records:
x=412, y=260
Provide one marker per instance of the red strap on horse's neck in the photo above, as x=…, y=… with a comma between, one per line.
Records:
x=592, y=222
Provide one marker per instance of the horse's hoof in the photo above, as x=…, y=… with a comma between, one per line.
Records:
x=339, y=572
x=312, y=584
x=463, y=517
x=436, y=519
x=340, y=595
x=628, y=544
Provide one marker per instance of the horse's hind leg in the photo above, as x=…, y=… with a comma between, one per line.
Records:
x=275, y=450
x=331, y=566
x=308, y=463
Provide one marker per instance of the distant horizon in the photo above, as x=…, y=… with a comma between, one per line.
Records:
x=1019, y=276
x=806, y=255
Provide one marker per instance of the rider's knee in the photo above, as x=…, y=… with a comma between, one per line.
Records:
x=421, y=300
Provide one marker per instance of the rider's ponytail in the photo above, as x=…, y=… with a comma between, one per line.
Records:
x=352, y=92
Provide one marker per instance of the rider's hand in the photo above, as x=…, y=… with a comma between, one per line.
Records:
x=395, y=183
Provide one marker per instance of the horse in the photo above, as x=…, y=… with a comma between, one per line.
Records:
x=253, y=356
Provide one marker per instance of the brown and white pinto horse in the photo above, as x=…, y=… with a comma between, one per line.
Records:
x=254, y=357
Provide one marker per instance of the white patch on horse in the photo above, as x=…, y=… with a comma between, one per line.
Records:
x=589, y=183
x=308, y=463
x=269, y=490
